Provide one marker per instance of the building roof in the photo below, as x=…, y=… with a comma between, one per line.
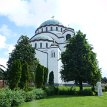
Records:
x=43, y=37
x=51, y=22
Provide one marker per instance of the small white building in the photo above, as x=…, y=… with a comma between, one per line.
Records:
x=49, y=41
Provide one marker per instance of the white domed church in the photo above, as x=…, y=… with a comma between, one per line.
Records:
x=49, y=41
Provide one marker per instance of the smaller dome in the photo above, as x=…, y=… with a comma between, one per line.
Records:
x=42, y=37
x=51, y=22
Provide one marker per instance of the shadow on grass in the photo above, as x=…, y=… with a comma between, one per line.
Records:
x=64, y=96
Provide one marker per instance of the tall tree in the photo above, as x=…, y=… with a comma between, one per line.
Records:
x=51, y=78
x=24, y=52
x=39, y=76
x=78, y=62
x=25, y=76
x=45, y=75
x=15, y=74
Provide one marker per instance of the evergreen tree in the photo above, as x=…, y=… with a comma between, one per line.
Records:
x=45, y=75
x=51, y=78
x=24, y=77
x=14, y=74
x=79, y=61
x=25, y=53
x=39, y=76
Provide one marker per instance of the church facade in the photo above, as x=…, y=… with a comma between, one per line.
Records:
x=49, y=42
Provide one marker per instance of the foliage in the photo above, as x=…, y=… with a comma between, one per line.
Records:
x=24, y=77
x=51, y=78
x=51, y=90
x=25, y=53
x=12, y=98
x=65, y=90
x=18, y=97
x=40, y=93
x=9, y=98
x=45, y=75
x=29, y=96
x=5, y=98
x=39, y=76
x=15, y=74
x=79, y=61
x=86, y=92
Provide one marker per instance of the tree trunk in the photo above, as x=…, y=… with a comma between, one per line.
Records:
x=80, y=85
x=93, y=89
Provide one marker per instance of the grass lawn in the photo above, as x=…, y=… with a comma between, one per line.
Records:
x=69, y=101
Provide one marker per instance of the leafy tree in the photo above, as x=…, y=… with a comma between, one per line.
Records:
x=95, y=73
x=14, y=74
x=24, y=52
x=51, y=78
x=79, y=61
x=39, y=76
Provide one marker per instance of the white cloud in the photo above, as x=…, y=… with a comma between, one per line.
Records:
x=2, y=41
x=4, y=45
x=3, y=61
x=4, y=30
x=8, y=49
x=26, y=13
x=5, y=48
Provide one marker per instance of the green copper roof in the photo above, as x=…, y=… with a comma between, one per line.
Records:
x=51, y=22
x=43, y=37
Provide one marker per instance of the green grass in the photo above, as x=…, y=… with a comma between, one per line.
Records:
x=69, y=101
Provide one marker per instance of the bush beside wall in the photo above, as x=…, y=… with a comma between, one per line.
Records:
x=12, y=98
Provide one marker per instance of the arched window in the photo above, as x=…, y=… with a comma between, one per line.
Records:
x=61, y=29
x=42, y=29
x=68, y=36
x=35, y=45
x=46, y=45
x=56, y=28
x=51, y=28
x=40, y=45
x=46, y=29
x=52, y=54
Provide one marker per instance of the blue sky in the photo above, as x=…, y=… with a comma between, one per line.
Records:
x=22, y=17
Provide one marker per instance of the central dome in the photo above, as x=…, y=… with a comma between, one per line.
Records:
x=51, y=22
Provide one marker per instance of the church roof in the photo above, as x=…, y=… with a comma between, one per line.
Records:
x=42, y=37
x=51, y=22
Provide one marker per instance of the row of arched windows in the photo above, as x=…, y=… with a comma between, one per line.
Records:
x=40, y=45
x=51, y=29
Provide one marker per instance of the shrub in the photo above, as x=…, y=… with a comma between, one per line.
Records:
x=5, y=98
x=65, y=90
x=86, y=92
x=12, y=98
x=18, y=97
x=29, y=96
x=50, y=90
x=60, y=91
x=35, y=94
x=39, y=93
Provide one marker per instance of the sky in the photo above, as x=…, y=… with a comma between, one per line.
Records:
x=22, y=17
